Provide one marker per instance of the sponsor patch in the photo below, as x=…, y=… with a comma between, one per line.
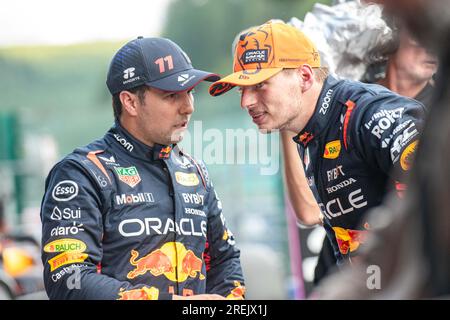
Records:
x=255, y=56
x=332, y=149
x=64, y=231
x=66, y=270
x=141, y=197
x=65, y=214
x=335, y=173
x=407, y=156
x=349, y=240
x=326, y=102
x=187, y=179
x=173, y=260
x=341, y=185
x=65, y=190
x=127, y=145
x=403, y=140
x=65, y=245
x=145, y=293
x=66, y=258
x=129, y=175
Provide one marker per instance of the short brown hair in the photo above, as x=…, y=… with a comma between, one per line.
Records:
x=320, y=73
x=117, y=104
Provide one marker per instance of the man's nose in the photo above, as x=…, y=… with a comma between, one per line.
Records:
x=187, y=104
x=248, y=98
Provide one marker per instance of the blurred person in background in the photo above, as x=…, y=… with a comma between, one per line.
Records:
x=350, y=135
x=407, y=254
x=406, y=67
x=130, y=216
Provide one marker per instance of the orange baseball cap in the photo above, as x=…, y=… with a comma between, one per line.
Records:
x=265, y=50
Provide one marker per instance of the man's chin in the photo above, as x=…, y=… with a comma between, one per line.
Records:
x=177, y=136
x=266, y=129
x=175, y=140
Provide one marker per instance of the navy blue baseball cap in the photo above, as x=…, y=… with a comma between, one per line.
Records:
x=156, y=62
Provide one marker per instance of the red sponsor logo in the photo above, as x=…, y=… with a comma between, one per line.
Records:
x=156, y=262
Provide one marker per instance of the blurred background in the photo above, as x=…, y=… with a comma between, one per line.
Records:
x=54, y=56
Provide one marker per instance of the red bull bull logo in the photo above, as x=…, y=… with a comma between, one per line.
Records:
x=238, y=292
x=156, y=262
x=305, y=138
x=165, y=152
x=164, y=261
x=192, y=265
x=349, y=240
x=145, y=293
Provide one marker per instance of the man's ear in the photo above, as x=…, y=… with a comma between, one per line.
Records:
x=306, y=74
x=129, y=102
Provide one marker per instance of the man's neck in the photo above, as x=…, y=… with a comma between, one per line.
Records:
x=131, y=127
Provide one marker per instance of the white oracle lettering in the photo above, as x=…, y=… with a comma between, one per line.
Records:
x=149, y=226
x=130, y=221
x=355, y=199
x=192, y=230
x=171, y=226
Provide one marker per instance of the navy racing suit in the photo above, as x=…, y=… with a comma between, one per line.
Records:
x=357, y=137
x=121, y=220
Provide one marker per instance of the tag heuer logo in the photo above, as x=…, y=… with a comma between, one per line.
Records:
x=128, y=175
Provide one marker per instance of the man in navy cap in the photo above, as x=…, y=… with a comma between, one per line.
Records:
x=130, y=216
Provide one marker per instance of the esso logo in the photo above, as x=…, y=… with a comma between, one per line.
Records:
x=65, y=190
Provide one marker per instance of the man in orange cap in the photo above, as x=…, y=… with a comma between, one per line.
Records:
x=349, y=135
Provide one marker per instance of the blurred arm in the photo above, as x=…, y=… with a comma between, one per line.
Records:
x=305, y=205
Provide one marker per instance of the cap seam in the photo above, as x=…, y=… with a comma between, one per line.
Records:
x=273, y=44
x=147, y=67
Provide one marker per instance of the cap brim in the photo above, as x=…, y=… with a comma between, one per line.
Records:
x=242, y=78
x=183, y=80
